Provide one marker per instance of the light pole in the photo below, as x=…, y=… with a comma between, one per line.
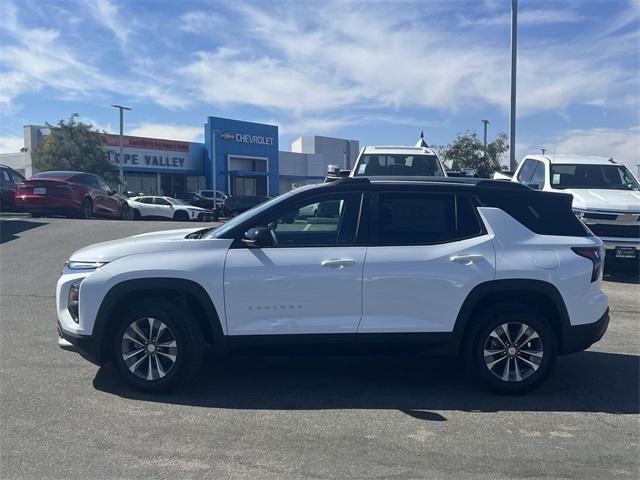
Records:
x=514, y=54
x=121, y=142
x=485, y=122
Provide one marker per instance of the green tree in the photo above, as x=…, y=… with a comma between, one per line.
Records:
x=74, y=146
x=467, y=151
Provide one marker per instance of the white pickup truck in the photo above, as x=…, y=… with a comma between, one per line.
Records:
x=606, y=195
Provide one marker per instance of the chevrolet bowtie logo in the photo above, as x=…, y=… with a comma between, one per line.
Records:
x=227, y=136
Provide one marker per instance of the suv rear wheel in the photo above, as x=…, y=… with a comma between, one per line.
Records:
x=512, y=350
x=157, y=346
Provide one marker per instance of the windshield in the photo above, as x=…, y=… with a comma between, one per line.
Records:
x=218, y=232
x=615, y=177
x=400, y=165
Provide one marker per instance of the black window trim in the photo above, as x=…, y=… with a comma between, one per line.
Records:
x=374, y=223
x=361, y=230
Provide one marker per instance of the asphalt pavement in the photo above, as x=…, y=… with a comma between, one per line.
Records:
x=292, y=416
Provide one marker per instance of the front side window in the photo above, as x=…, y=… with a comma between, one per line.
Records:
x=161, y=201
x=537, y=179
x=526, y=172
x=615, y=177
x=424, y=219
x=324, y=221
x=400, y=165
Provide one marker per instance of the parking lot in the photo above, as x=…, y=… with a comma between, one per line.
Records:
x=297, y=417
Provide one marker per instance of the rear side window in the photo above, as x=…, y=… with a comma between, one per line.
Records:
x=543, y=213
x=424, y=219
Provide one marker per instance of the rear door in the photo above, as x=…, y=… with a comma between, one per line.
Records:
x=428, y=251
x=308, y=280
x=146, y=207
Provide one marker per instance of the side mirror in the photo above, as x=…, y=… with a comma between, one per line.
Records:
x=257, y=237
x=535, y=186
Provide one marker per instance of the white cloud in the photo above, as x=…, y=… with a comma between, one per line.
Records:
x=621, y=144
x=525, y=18
x=170, y=131
x=199, y=22
x=11, y=144
x=106, y=13
x=287, y=62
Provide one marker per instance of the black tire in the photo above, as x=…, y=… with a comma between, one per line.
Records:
x=181, y=327
x=516, y=362
x=181, y=216
x=86, y=209
x=136, y=214
x=125, y=212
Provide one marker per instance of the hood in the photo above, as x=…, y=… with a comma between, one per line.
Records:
x=605, y=199
x=167, y=241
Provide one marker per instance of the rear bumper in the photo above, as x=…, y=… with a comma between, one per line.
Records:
x=85, y=345
x=46, y=204
x=580, y=337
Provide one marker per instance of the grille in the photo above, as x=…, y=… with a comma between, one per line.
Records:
x=619, y=231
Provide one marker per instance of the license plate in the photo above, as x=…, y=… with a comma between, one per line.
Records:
x=625, y=252
x=39, y=191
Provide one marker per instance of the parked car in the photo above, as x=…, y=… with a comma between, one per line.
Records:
x=398, y=161
x=606, y=195
x=9, y=179
x=237, y=204
x=503, y=275
x=195, y=199
x=209, y=194
x=167, y=207
x=74, y=194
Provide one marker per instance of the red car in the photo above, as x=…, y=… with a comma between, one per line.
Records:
x=74, y=194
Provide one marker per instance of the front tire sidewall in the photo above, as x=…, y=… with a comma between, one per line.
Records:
x=491, y=319
x=187, y=349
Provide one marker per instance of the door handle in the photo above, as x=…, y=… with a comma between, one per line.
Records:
x=338, y=263
x=467, y=259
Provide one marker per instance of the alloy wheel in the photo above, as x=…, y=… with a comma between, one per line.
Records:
x=513, y=351
x=149, y=348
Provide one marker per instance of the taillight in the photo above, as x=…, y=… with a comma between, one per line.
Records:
x=595, y=255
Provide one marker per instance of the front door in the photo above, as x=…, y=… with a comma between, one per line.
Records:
x=308, y=280
x=427, y=253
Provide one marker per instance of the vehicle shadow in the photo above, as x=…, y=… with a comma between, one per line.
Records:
x=417, y=386
x=9, y=229
x=621, y=271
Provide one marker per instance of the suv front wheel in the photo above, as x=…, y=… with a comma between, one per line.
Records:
x=157, y=346
x=512, y=349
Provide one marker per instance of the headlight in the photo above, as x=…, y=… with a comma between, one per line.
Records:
x=72, y=301
x=83, y=265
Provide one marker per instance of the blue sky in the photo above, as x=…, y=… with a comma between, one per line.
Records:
x=376, y=71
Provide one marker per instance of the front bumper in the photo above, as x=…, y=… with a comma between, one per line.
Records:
x=580, y=337
x=85, y=345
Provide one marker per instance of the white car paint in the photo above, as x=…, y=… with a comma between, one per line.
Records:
x=292, y=291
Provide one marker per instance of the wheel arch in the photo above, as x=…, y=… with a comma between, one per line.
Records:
x=534, y=293
x=189, y=293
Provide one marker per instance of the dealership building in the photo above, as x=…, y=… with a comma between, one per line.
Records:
x=238, y=157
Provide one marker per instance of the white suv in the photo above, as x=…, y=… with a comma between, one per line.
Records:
x=167, y=208
x=396, y=161
x=495, y=271
x=606, y=195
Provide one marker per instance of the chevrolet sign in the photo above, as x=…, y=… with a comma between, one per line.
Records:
x=246, y=138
